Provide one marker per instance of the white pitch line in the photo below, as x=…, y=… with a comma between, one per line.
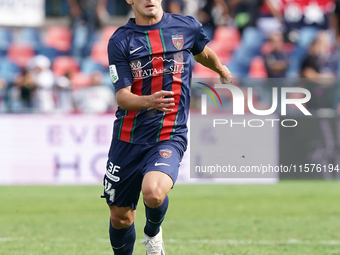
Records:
x=103, y=240
x=254, y=242
x=245, y=242
x=5, y=239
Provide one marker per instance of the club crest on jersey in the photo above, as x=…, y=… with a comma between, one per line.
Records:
x=165, y=153
x=178, y=41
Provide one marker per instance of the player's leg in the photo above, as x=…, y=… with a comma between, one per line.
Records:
x=122, y=200
x=160, y=174
x=155, y=188
x=122, y=186
x=122, y=230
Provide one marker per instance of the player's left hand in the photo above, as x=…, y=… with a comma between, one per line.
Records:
x=226, y=76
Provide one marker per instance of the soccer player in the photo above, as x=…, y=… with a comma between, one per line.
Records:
x=150, y=67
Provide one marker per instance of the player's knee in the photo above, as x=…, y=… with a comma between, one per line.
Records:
x=153, y=198
x=120, y=222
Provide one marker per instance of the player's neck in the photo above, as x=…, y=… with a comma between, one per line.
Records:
x=147, y=21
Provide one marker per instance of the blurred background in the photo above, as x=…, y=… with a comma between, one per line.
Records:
x=54, y=70
x=53, y=53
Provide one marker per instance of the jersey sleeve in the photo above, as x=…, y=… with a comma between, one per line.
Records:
x=120, y=71
x=201, y=40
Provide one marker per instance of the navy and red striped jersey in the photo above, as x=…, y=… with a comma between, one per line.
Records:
x=150, y=59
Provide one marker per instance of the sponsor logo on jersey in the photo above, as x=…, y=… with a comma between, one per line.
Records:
x=114, y=73
x=165, y=153
x=161, y=164
x=171, y=66
x=135, y=50
x=178, y=41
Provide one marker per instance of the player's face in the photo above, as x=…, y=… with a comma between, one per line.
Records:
x=147, y=8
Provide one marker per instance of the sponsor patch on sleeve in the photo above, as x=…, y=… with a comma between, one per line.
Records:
x=114, y=73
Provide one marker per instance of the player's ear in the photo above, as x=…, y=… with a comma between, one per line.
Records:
x=129, y=1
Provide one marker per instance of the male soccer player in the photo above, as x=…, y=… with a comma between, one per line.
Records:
x=150, y=68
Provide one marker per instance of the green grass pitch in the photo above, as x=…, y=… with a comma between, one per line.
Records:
x=291, y=217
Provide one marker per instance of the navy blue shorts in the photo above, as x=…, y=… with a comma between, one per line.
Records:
x=128, y=163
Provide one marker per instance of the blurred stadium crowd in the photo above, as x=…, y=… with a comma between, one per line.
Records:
x=65, y=68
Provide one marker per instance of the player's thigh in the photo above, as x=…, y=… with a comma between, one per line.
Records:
x=123, y=177
x=161, y=169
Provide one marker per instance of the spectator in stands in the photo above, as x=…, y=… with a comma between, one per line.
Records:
x=191, y=7
x=56, y=7
x=257, y=19
x=43, y=77
x=314, y=65
x=206, y=15
x=320, y=79
x=86, y=16
x=336, y=27
x=97, y=98
x=303, y=19
x=3, y=85
x=25, y=86
x=276, y=61
x=173, y=6
x=249, y=12
x=335, y=21
x=63, y=94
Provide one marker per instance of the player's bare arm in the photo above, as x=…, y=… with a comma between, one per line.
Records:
x=132, y=102
x=209, y=59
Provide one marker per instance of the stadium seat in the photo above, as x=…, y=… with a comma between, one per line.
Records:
x=8, y=70
x=107, y=33
x=30, y=36
x=65, y=64
x=201, y=71
x=223, y=54
x=228, y=37
x=80, y=80
x=5, y=40
x=99, y=53
x=49, y=52
x=257, y=68
x=89, y=66
x=60, y=38
x=20, y=54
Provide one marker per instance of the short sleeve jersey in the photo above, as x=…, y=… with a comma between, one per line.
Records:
x=150, y=59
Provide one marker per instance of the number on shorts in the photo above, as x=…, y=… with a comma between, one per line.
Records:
x=108, y=190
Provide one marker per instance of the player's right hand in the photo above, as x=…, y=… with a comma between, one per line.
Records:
x=226, y=76
x=159, y=102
